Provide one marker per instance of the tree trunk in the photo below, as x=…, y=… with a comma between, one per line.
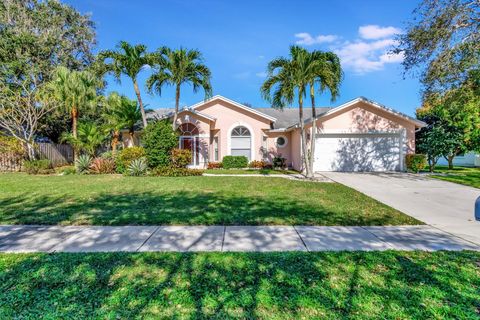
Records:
x=115, y=138
x=302, y=136
x=177, y=101
x=74, y=131
x=139, y=98
x=30, y=150
x=450, y=161
x=313, y=130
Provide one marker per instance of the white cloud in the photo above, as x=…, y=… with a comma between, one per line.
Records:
x=364, y=56
x=373, y=31
x=307, y=39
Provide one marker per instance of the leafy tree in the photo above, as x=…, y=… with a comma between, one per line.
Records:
x=288, y=78
x=159, y=139
x=458, y=112
x=76, y=91
x=35, y=38
x=431, y=141
x=326, y=73
x=178, y=67
x=128, y=60
x=89, y=138
x=121, y=113
x=442, y=42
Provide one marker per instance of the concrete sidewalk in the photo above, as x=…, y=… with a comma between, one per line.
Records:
x=17, y=238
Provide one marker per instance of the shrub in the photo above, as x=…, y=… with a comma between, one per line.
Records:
x=107, y=155
x=126, y=156
x=137, y=167
x=257, y=164
x=102, y=166
x=416, y=162
x=235, y=162
x=159, y=139
x=176, y=172
x=181, y=158
x=38, y=166
x=214, y=165
x=82, y=164
x=65, y=170
x=279, y=162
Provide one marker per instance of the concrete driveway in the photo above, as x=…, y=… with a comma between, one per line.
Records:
x=445, y=205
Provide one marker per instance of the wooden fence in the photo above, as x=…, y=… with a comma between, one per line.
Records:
x=58, y=154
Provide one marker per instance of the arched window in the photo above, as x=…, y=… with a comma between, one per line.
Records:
x=188, y=129
x=241, y=142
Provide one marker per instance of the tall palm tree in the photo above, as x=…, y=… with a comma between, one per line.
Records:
x=121, y=113
x=128, y=60
x=177, y=67
x=327, y=74
x=76, y=91
x=288, y=78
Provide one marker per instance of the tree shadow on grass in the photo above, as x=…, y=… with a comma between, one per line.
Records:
x=239, y=285
x=187, y=208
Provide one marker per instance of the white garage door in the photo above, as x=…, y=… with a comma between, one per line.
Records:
x=358, y=152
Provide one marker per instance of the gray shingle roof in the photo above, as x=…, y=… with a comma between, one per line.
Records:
x=285, y=118
x=289, y=116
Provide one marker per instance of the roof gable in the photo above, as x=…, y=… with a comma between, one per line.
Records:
x=236, y=104
x=374, y=104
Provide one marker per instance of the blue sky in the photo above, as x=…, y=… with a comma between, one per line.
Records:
x=238, y=38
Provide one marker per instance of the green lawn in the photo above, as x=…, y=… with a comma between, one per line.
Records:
x=249, y=171
x=360, y=285
x=119, y=200
x=462, y=175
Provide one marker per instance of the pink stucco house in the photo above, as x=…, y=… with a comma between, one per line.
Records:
x=360, y=135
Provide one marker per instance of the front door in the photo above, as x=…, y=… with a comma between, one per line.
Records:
x=190, y=143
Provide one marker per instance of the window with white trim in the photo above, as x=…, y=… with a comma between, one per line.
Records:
x=281, y=141
x=241, y=142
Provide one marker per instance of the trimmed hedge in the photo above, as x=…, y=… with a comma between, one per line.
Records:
x=235, y=162
x=416, y=162
x=176, y=172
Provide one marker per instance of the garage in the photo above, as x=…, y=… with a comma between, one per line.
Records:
x=359, y=152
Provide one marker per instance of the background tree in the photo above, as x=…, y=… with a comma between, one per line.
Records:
x=35, y=38
x=76, y=91
x=327, y=75
x=442, y=42
x=288, y=78
x=178, y=67
x=20, y=113
x=457, y=111
x=128, y=60
x=121, y=113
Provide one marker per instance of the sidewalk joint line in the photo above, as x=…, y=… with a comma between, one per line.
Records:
x=223, y=237
x=301, y=239
x=381, y=240
x=154, y=231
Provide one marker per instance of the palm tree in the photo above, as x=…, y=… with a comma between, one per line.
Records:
x=76, y=91
x=327, y=74
x=121, y=113
x=177, y=67
x=89, y=138
x=288, y=78
x=128, y=60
